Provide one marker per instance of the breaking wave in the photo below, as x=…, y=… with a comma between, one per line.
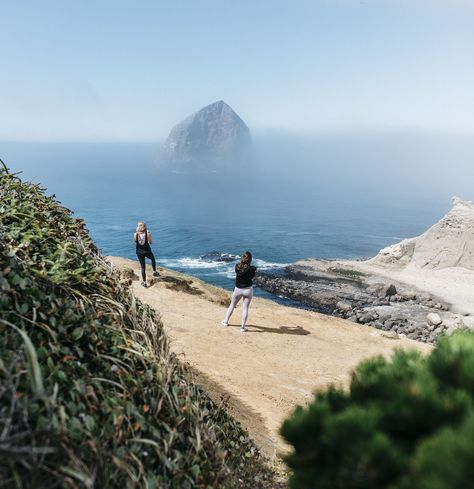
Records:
x=215, y=263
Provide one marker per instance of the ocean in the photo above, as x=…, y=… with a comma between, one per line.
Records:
x=199, y=221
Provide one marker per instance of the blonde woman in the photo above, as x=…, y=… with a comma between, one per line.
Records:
x=143, y=240
x=244, y=273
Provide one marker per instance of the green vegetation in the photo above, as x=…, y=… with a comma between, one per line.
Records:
x=347, y=272
x=90, y=395
x=404, y=424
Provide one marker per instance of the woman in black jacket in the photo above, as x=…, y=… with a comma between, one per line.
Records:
x=244, y=273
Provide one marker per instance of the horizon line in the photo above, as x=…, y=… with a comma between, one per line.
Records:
x=323, y=132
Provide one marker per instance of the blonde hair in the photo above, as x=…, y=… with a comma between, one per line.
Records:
x=141, y=227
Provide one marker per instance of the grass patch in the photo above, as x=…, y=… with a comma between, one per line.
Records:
x=347, y=272
x=90, y=394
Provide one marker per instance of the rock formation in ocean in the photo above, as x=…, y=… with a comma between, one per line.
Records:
x=212, y=139
x=448, y=243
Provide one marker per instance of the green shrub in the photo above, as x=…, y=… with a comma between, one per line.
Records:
x=404, y=424
x=90, y=394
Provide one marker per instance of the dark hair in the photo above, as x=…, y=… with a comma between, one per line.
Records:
x=245, y=261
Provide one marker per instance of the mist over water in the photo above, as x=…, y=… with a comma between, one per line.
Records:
x=326, y=196
x=423, y=168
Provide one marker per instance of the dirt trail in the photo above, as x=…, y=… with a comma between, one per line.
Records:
x=263, y=374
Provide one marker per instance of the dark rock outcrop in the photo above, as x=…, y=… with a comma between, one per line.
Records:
x=211, y=140
x=362, y=298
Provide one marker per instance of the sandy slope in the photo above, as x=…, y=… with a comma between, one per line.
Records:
x=263, y=374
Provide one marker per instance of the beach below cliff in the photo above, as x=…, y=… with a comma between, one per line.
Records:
x=262, y=375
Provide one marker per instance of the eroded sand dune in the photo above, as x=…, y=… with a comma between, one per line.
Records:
x=439, y=262
x=447, y=244
x=263, y=374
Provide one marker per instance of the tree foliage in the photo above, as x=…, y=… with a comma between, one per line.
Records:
x=407, y=423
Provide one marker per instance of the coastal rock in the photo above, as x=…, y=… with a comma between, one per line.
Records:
x=212, y=139
x=410, y=328
x=449, y=243
x=390, y=291
x=382, y=290
x=367, y=317
x=409, y=296
x=357, y=298
x=344, y=306
x=433, y=319
x=216, y=256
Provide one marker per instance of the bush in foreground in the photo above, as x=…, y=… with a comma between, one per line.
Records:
x=90, y=395
x=404, y=424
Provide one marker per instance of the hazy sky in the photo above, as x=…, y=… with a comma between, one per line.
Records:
x=123, y=70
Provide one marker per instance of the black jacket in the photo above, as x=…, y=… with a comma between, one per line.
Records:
x=244, y=278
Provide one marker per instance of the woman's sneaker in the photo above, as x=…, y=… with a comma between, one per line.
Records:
x=224, y=323
x=243, y=329
x=144, y=284
x=156, y=274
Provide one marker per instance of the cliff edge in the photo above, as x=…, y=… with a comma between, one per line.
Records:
x=90, y=393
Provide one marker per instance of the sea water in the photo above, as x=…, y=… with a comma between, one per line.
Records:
x=201, y=223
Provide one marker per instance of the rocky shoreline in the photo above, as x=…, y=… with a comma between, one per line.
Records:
x=337, y=290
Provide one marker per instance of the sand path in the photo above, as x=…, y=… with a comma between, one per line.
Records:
x=263, y=374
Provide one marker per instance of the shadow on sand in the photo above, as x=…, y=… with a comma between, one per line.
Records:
x=293, y=330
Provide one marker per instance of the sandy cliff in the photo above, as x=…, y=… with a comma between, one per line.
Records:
x=448, y=243
x=440, y=261
x=263, y=374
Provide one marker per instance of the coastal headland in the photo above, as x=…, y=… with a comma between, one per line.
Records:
x=259, y=376
x=418, y=288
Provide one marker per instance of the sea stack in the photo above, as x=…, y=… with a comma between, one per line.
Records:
x=213, y=139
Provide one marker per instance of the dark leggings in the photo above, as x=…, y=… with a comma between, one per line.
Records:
x=141, y=259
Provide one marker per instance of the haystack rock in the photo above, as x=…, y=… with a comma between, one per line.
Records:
x=449, y=243
x=213, y=139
